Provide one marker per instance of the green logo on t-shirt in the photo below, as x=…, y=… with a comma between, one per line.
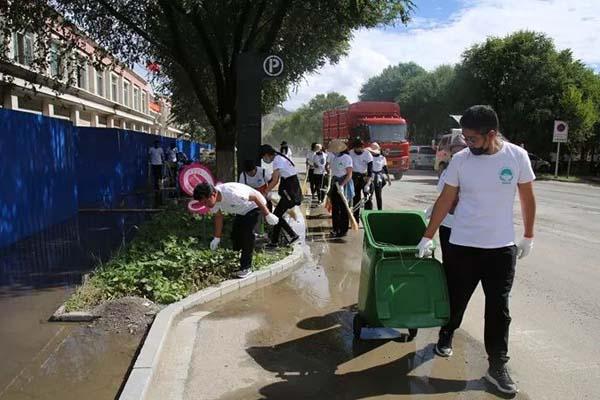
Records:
x=506, y=175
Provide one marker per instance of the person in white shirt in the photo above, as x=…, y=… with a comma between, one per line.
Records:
x=310, y=169
x=285, y=150
x=255, y=177
x=482, y=242
x=340, y=167
x=319, y=159
x=284, y=174
x=246, y=204
x=157, y=157
x=362, y=168
x=377, y=179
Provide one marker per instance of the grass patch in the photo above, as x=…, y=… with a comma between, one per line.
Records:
x=167, y=260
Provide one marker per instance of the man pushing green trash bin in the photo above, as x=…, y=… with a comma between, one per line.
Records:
x=482, y=243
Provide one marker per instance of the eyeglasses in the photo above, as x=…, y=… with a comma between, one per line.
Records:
x=472, y=139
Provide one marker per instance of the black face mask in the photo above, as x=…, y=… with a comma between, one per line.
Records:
x=358, y=151
x=477, y=151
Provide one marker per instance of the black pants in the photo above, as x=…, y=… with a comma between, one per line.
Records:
x=311, y=181
x=495, y=268
x=339, y=214
x=318, y=180
x=242, y=236
x=359, y=183
x=156, y=175
x=280, y=209
x=445, y=243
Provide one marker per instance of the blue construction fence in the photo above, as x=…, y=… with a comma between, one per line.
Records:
x=49, y=169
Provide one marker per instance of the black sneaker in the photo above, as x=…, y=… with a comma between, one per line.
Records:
x=443, y=348
x=499, y=377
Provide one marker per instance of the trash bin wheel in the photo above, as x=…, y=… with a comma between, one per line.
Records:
x=412, y=333
x=357, y=324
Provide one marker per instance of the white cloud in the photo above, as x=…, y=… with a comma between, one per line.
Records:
x=572, y=24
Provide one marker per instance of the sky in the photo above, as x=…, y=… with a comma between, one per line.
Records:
x=441, y=30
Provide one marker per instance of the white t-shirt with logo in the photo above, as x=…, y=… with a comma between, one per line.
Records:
x=378, y=163
x=259, y=179
x=360, y=161
x=285, y=167
x=339, y=164
x=488, y=183
x=318, y=162
x=235, y=199
x=156, y=155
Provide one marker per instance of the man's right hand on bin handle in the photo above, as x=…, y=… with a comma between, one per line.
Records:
x=425, y=248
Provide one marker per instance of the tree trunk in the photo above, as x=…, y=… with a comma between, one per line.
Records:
x=225, y=153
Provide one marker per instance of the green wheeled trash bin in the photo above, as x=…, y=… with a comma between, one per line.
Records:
x=397, y=289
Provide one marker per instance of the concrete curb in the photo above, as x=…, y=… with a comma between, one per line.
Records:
x=140, y=377
x=74, y=316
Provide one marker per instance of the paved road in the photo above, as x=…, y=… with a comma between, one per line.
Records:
x=293, y=339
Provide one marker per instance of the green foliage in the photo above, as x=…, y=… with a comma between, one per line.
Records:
x=305, y=125
x=391, y=81
x=167, y=260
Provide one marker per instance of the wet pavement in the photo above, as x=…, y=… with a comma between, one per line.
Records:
x=47, y=360
x=293, y=339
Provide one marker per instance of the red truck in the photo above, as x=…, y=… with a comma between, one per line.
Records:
x=372, y=121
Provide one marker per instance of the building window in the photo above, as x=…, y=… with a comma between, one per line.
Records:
x=55, y=61
x=114, y=88
x=100, y=83
x=126, y=89
x=23, y=48
x=144, y=102
x=82, y=74
x=136, y=98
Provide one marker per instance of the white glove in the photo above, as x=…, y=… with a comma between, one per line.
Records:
x=524, y=247
x=272, y=219
x=425, y=247
x=215, y=243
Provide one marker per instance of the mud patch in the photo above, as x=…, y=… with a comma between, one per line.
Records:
x=130, y=315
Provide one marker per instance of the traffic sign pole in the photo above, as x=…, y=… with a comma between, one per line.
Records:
x=557, y=158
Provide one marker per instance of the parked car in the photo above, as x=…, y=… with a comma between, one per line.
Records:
x=422, y=157
x=444, y=150
x=538, y=164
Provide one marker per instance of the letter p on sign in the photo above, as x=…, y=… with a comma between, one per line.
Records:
x=273, y=66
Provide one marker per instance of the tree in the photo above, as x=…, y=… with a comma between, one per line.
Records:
x=197, y=43
x=305, y=125
x=390, y=83
x=426, y=102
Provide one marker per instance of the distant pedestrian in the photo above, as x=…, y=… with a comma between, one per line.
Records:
x=482, y=242
x=340, y=167
x=319, y=159
x=285, y=149
x=310, y=169
x=290, y=193
x=362, y=168
x=247, y=204
x=378, y=181
x=157, y=158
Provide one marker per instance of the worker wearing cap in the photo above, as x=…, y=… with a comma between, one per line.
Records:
x=377, y=179
x=362, y=168
x=340, y=167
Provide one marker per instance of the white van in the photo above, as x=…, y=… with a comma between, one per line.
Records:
x=422, y=157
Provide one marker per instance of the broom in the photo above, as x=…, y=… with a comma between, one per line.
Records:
x=353, y=222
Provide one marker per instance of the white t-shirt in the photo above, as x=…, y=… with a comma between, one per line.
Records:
x=318, y=162
x=259, y=179
x=156, y=155
x=360, y=161
x=309, y=158
x=339, y=164
x=378, y=163
x=488, y=184
x=235, y=199
x=285, y=167
x=447, y=222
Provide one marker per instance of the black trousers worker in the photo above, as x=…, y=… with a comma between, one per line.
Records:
x=242, y=236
